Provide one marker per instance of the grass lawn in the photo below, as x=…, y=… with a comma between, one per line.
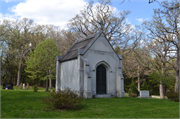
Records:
x=27, y=104
x=30, y=89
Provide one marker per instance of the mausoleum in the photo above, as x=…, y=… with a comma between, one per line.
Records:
x=91, y=67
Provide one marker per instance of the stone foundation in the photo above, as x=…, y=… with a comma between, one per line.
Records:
x=120, y=94
x=87, y=94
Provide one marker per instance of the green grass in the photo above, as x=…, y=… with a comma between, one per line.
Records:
x=30, y=89
x=27, y=104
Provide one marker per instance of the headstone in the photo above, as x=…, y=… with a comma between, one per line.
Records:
x=8, y=86
x=144, y=94
x=23, y=86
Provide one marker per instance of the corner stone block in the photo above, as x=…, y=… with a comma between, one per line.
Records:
x=87, y=95
x=120, y=94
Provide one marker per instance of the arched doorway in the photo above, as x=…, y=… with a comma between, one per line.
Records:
x=101, y=80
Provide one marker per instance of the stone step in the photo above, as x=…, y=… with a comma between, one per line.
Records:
x=102, y=96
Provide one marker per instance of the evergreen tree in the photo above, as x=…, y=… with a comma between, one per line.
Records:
x=133, y=88
x=42, y=61
x=145, y=86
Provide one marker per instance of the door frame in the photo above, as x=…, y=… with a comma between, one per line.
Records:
x=108, y=71
x=105, y=78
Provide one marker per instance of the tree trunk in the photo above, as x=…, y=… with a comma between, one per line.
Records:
x=0, y=67
x=177, y=82
x=1, y=63
x=19, y=72
x=161, y=92
x=47, y=82
x=177, y=72
x=15, y=80
x=50, y=81
x=138, y=79
x=9, y=79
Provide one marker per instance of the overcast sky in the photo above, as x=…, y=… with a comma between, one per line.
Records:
x=59, y=12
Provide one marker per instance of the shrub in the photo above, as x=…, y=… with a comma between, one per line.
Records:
x=27, y=86
x=20, y=86
x=54, y=89
x=64, y=99
x=129, y=92
x=17, y=88
x=133, y=95
x=133, y=89
x=173, y=96
x=35, y=88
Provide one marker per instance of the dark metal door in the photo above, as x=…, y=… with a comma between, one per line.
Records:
x=101, y=80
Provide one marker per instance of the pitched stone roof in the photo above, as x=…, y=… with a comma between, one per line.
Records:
x=84, y=44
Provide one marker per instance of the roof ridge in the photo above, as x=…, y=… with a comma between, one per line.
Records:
x=86, y=38
x=93, y=40
x=88, y=41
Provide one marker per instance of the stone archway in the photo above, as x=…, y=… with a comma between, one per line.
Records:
x=100, y=79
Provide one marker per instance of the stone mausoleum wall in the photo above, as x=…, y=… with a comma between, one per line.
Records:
x=69, y=75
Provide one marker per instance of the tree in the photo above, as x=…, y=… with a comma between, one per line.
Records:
x=150, y=1
x=136, y=63
x=164, y=24
x=94, y=18
x=18, y=36
x=63, y=38
x=42, y=61
x=170, y=12
x=165, y=78
x=21, y=36
x=160, y=49
x=145, y=86
x=133, y=88
x=143, y=62
x=8, y=59
x=66, y=39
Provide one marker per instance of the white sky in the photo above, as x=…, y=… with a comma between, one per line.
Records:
x=56, y=12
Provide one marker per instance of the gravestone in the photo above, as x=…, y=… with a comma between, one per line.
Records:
x=8, y=85
x=23, y=86
x=144, y=94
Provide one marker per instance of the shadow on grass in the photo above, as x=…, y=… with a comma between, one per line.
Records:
x=77, y=108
